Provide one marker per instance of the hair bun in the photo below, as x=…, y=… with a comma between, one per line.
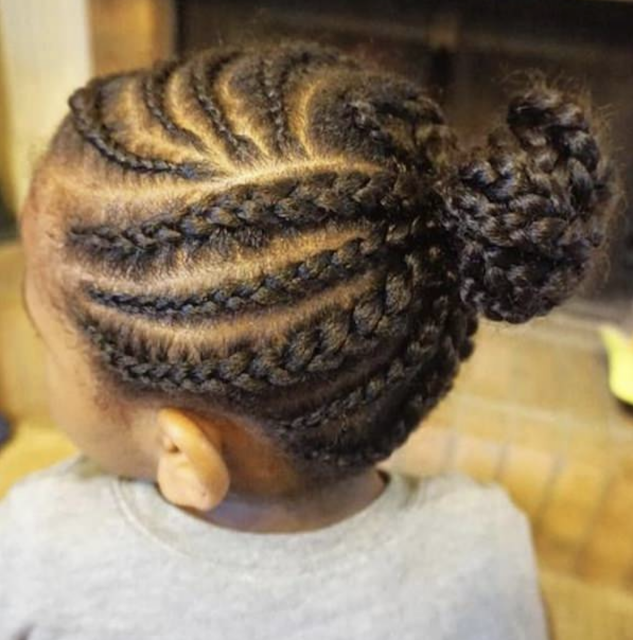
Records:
x=531, y=208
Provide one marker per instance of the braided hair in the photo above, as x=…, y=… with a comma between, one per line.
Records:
x=287, y=235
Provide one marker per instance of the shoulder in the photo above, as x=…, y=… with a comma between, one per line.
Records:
x=77, y=471
x=468, y=512
x=458, y=493
x=476, y=548
x=48, y=536
x=59, y=494
x=471, y=525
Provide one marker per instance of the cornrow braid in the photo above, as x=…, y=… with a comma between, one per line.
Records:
x=86, y=107
x=423, y=340
x=275, y=76
x=383, y=120
x=284, y=205
x=317, y=348
x=417, y=112
x=430, y=381
x=366, y=336
x=203, y=79
x=279, y=117
x=292, y=283
x=153, y=91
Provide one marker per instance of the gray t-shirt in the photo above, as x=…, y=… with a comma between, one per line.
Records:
x=86, y=556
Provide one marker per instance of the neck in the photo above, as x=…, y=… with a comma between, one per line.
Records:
x=303, y=511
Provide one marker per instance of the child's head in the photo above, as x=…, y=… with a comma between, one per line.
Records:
x=291, y=250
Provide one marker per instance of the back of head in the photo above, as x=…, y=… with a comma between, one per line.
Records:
x=286, y=235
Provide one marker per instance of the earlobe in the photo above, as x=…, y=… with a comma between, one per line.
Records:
x=181, y=486
x=191, y=471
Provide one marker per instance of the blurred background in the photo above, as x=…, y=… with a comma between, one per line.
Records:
x=533, y=409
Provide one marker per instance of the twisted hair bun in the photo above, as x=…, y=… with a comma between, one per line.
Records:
x=531, y=207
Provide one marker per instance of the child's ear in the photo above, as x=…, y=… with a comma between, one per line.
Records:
x=191, y=470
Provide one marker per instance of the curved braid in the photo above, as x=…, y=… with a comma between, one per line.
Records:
x=418, y=112
x=86, y=105
x=153, y=91
x=203, y=83
x=422, y=342
x=531, y=208
x=275, y=75
x=382, y=120
x=284, y=205
x=273, y=90
x=320, y=346
x=294, y=282
x=427, y=382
